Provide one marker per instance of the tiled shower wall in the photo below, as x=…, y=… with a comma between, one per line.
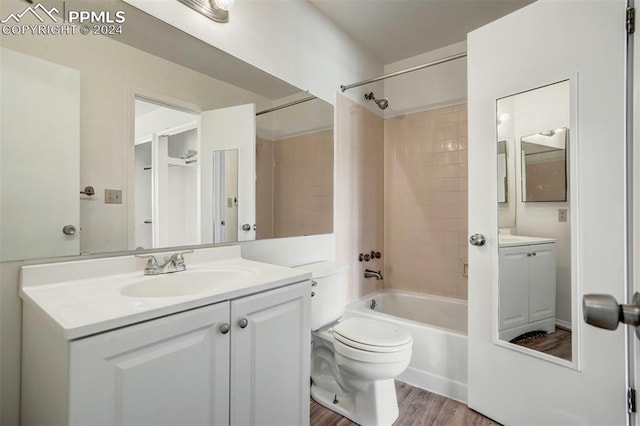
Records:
x=425, y=230
x=359, y=211
x=294, y=186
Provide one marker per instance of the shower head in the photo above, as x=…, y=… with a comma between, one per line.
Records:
x=382, y=103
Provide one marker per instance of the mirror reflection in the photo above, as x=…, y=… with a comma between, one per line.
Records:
x=535, y=280
x=143, y=137
x=544, y=166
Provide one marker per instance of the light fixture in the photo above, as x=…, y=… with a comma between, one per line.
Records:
x=216, y=10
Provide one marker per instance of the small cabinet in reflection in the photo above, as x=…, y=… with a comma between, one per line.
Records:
x=527, y=299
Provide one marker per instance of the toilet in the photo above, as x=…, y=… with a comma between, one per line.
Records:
x=354, y=360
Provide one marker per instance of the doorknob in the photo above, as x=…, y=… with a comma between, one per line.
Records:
x=246, y=227
x=603, y=311
x=68, y=230
x=477, y=240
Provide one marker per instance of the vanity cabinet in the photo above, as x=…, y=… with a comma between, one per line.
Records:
x=242, y=362
x=527, y=289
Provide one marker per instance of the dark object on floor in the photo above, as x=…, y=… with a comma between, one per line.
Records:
x=528, y=336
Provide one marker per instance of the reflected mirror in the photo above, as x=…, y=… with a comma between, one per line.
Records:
x=535, y=281
x=123, y=138
x=502, y=172
x=544, y=166
x=225, y=196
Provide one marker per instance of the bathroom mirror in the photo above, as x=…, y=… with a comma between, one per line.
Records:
x=535, y=254
x=225, y=196
x=503, y=185
x=76, y=124
x=544, y=166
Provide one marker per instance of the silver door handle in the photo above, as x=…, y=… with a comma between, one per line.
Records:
x=68, y=230
x=603, y=311
x=477, y=240
x=246, y=227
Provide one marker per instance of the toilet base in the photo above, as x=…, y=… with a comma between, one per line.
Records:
x=377, y=405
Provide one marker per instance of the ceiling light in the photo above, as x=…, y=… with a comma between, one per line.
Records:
x=216, y=10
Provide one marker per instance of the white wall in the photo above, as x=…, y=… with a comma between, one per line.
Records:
x=441, y=85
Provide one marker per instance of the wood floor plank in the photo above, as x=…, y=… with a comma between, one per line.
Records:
x=417, y=407
x=556, y=344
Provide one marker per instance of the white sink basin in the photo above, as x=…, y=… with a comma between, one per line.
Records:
x=187, y=282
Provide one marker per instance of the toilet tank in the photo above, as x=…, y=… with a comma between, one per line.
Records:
x=329, y=287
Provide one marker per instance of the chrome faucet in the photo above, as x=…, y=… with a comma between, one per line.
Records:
x=368, y=273
x=173, y=263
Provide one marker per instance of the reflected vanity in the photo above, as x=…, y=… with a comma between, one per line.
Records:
x=535, y=257
x=164, y=172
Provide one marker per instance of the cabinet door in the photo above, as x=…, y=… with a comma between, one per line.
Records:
x=170, y=371
x=514, y=287
x=271, y=357
x=542, y=288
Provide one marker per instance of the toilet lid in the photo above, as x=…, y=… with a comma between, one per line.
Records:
x=372, y=335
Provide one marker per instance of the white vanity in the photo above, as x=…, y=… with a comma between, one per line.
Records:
x=224, y=342
x=527, y=286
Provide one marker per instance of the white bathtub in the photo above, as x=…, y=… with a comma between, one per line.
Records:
x=439, y=329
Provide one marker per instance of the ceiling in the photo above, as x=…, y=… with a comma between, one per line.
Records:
x=397, y=29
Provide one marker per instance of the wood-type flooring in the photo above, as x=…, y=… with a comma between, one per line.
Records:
x=417, y=407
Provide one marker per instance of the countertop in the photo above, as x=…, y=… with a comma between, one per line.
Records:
x=521, y=240
x=84, y=297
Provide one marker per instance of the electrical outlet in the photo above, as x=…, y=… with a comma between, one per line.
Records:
x=562, y=215
x=113, y=196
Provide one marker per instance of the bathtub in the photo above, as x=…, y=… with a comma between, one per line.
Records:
x=439, y=329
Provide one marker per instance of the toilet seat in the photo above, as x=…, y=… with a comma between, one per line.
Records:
x=371, y=340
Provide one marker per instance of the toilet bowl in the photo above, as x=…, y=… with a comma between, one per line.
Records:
x=353, y=361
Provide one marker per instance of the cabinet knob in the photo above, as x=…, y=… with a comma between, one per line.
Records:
x=528, y=254
x=533, y=254
x=224, y=328
x=243, y=323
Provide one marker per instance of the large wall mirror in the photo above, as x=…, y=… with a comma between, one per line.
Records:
x=151, y=139
x=535, y=278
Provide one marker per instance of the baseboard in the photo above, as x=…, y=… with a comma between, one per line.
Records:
x=436, y=384
x=565, y=325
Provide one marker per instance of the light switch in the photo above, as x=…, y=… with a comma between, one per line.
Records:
x=113, y=196
x=562, y=215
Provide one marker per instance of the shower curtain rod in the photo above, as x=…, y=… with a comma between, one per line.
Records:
x=299, y=101
x=397, y=73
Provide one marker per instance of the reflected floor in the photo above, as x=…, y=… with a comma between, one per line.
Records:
x=417, y=407
x=556, y=344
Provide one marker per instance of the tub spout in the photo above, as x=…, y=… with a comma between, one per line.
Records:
x=368, y=273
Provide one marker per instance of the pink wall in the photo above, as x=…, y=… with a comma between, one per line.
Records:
x=426, y=201
x=359, y=210
x=294, y=188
